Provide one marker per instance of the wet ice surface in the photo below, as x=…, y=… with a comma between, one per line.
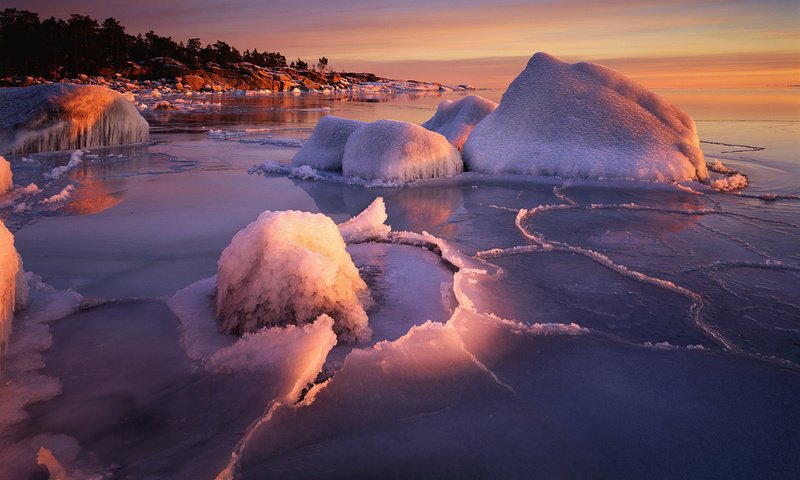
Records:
x=697, y=379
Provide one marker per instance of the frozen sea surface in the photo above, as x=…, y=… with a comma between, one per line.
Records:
x=583, y=330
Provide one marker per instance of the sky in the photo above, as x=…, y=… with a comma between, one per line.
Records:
x=664, y=44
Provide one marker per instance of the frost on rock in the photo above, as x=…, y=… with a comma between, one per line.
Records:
x=5, y=176
x=392, y=151
x=588, y=121
x=455, y=120
x=367, y=225
x=66, y=117
x=288, y=268
x=325, y=147
x=9, y=267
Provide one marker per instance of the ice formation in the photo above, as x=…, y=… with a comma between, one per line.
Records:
x=367, y=225
x=5, y=176
x=392, y=151
x=584, y=120
x=9, y=267
x=66, y=117
x=288, y=268
x=325, y=147
x=455, y=120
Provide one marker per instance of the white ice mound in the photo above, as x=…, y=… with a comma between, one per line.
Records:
x=368, y=225
x=288, y=268
x=325, y=147
x=455, y=120
x=5, y=176
x=584, y=120
x=9, y=267
x=66, y=117
x=392, y=151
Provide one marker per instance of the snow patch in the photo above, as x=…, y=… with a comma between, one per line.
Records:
x=75, y=159
x=60, y=196
x=735, y=181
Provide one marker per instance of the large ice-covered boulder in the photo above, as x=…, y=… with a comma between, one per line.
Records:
x=6, y=179
x=325, y=147
x=392, y=151
x=584, y=120
x=288, y=268
x=455, y=120
x=66, y=117
x=9, y=267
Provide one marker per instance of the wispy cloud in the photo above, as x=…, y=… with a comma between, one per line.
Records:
x=424, y=39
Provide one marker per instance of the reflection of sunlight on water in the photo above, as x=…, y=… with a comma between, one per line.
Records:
x=424, y=208
x=94, y=196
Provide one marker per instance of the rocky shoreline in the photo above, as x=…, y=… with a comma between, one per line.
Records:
x=168, y=75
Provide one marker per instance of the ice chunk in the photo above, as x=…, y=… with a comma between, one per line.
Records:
x=584, y=120
x=288, y=268
x=392, y=151
x=367, y=225
x=455, y=120
x=734, y=181
x=66, y=117
x=325, y=147
x=5, y=176
x=299, y=352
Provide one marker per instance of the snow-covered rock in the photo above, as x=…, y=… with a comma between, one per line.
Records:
x=392, y=151
x=9, y=267
x=584, y=120
x=288, y=268
x=5, y=176
x=325, y=147
x=455, y=120
x=66, y=117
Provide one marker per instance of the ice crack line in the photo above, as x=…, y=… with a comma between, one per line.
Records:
x=695, y=298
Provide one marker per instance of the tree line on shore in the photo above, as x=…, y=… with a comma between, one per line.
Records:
x=54, y=48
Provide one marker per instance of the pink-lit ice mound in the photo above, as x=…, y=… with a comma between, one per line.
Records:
x=5, y=176
x=9, y=267
x=59, y=116
x=455, y=120
x=584, y=120
x=399, y=152
x=288, y=268
x=325, y=147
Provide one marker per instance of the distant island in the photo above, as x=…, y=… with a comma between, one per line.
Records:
x=84, y=51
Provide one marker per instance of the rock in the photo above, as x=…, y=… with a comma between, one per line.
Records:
x=66, y=117
x=195, y=82
x=324, y=149
x=392, y=151
x=455, y=120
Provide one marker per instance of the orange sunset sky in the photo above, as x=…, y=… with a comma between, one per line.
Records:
x=667, y=44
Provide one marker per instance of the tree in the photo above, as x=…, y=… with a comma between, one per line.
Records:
x=322, y=63
x=300, y=65
x=114, y=42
